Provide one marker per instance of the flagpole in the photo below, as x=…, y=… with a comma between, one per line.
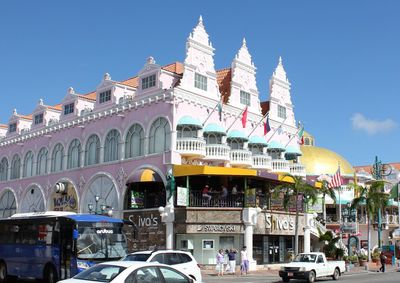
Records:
x=209, y=115
x=298, y=130
x=255, y=127
x=227, y=130
x=340, y=207
x=276, y=130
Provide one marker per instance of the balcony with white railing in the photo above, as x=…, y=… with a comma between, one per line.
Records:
x=240, y=158
x=191, y=147
x=280, y=166
x=297, y=169
x=217, y=152
x=262, y=161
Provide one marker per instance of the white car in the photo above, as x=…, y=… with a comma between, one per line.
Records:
x=181, y=260
x=130, y=272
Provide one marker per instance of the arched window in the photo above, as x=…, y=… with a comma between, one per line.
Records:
x=15, y=167
x=28, y=165
x=187, y=132
x=41, y=168
x=92, y=150
x=74, y=154
x=8, y=205
x=159, y=138
x=134, y=143
x=57, y=158
x=111, y=146
x=306, y=141
x=256, y=149
x=212, y=138
x=236, y=143
x=4, y=169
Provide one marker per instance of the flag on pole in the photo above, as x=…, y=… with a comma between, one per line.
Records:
x=267, y=128
x=336, y=180
x=244, y=118
x=220, y=110
x=300, y=135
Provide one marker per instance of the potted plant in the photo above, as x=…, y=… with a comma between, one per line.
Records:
x=346, y=259
x=354, y=260
x=363, y=260
x=375, y=256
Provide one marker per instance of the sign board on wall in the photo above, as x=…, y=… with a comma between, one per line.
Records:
x=282, y=224
x=66, y=201
x=182, y=196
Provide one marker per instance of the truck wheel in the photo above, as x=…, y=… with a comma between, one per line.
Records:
x=336, y=274
x=285, y=279
x=50, y=275
x=3, y=272
x=311, y=276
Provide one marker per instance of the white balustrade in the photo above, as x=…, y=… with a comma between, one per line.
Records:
x=280, y=166
x=240, y=157
x=192, y=147
x=262, y=161
x=217, y=152
x=297, y=169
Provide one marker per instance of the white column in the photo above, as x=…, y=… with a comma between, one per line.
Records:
x=250, y=220
x=307, y=235
x=167, y=214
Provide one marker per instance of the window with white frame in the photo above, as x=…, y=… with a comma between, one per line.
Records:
x=236, y=143
x=244, y=98
x=281, y=112
x=149, y=81
x=41, y=168
x=111, y=146
x=200, y=81
x=4, y=169
x=8, y=205
x=105, y=96
x=159, y=136
x=256, y=149
x=134, y=143
x=15, y=167
x=12, y=128
x=57, y=158
x=187, y=132
x=38, y=119
x=212, y=138
x=28, y=165
x=74, y=154
x=92, y=150
x=68, y=108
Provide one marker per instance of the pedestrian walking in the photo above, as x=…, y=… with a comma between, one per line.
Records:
x=244, y=261
x=231, y=268
x=383, y=262
x=220, y=262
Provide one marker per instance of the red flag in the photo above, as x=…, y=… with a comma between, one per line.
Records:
x=301, y=141
x=336, y=180
x=267, y=128
x=244, y=118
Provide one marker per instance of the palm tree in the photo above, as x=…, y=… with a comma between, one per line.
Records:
x=326, y=191
x=331, y=242
x=373, y=198
x=296, y=186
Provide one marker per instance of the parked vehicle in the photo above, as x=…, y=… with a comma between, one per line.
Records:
x=130, y=272
x=310, y=266
x=57, y=245
x=181, y=260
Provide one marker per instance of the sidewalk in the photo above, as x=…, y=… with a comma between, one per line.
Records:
x=264, y=272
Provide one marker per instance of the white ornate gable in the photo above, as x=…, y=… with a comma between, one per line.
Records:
x=280, y=95
x=106, y=82
x=244, y=79
x=199, y=59
x=70, y=95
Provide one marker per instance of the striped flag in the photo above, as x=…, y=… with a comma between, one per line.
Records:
x=267, y=128
x=336, y=180
x=300, y=136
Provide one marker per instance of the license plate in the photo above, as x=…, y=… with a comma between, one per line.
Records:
x=290, y=274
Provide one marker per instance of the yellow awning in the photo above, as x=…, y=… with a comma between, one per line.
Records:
x=190, y=170
x=144, y=175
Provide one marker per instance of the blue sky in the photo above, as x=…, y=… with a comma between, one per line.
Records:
x=342, y=57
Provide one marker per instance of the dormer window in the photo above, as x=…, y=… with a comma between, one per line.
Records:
x=105, y=96
x=245, y=98
x=148, y=82
x=281, y=112
x=12, y=128
x=68, y=108
x=200, y=81
x=39, y=119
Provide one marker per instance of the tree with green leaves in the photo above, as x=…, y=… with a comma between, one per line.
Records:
x=331, y=242
x=295, y=187
x=373, y=198
x=326, y=191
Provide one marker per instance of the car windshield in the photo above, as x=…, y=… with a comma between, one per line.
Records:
x=305, y=258
x=100, y=241
x=137, y=257
x=100, y=273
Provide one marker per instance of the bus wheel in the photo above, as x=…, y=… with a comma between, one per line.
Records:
x=50, y=275
x=3, y=272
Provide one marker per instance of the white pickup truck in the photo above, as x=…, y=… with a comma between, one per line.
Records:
x=310, y=266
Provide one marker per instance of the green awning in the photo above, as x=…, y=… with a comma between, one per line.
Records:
x=293, y=150
x=274, y=145
x=236, y=134
x=214, y=128
x=189, y=121
x=258, y=140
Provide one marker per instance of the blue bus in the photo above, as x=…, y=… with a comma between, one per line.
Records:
x=57, y=245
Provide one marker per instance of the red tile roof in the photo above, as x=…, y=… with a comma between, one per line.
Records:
x=3, y=126
x=224, y=77
x=264, y=107
x=368, y=168
x=27, y=117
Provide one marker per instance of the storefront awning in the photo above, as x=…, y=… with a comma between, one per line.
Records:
x=191, y=170
x=144, y=175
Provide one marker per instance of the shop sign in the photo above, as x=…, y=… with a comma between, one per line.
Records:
x=279, y=223
x=216, y=228
x=64, y=201
x=182, y=196
x=349, y=228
